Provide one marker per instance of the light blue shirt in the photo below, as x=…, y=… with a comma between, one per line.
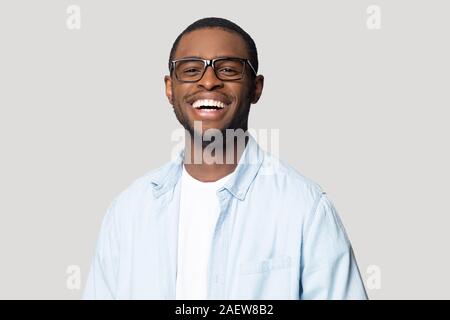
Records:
x=278, y=236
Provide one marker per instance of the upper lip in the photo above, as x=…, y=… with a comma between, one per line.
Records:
x=209, y=97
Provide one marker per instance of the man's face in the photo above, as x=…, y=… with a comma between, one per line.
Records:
x=236, y=95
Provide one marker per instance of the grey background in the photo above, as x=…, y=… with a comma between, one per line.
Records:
x=362, y=112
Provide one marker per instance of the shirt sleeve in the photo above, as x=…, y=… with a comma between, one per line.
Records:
x=328, y=268
x=101, y=282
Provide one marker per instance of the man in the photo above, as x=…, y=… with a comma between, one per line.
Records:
x=232, y=223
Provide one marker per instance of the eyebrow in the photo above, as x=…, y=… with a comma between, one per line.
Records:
x=190, y=57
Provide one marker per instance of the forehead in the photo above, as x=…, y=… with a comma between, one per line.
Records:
x=211, y=43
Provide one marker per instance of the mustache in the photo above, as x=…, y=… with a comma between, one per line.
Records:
x=194, y=96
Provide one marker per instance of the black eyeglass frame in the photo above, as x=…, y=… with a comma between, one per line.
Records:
x=211, y=63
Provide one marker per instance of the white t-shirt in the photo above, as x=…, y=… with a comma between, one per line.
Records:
x=199, y=210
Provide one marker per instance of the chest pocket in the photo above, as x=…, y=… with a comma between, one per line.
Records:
x=265, y=279
x=264, y=266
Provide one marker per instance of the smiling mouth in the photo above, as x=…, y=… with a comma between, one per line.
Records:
x=209, y=105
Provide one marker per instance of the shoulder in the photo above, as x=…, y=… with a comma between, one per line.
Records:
x=284, y=176
x=139, y=192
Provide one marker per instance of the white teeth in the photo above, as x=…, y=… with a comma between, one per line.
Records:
x=208, y=102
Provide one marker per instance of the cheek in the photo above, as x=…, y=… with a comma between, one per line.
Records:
x=240, y=93
x=243, y=99
x=177, y=97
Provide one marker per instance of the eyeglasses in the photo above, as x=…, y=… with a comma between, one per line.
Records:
x=225, y=69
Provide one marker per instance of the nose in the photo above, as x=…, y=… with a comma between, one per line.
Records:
x=209, y=81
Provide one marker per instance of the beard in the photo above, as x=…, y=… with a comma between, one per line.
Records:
x=239, y=121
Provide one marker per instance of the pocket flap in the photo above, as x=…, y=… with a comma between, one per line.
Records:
x=280, y=262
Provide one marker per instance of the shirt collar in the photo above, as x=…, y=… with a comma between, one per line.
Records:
x=165, y=179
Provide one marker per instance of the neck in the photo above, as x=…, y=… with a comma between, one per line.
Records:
x=207, y=164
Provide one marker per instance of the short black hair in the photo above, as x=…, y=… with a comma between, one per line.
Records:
x=224, y=24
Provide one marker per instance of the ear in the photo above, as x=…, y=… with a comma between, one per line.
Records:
x=168, y=83
x=258, y=88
